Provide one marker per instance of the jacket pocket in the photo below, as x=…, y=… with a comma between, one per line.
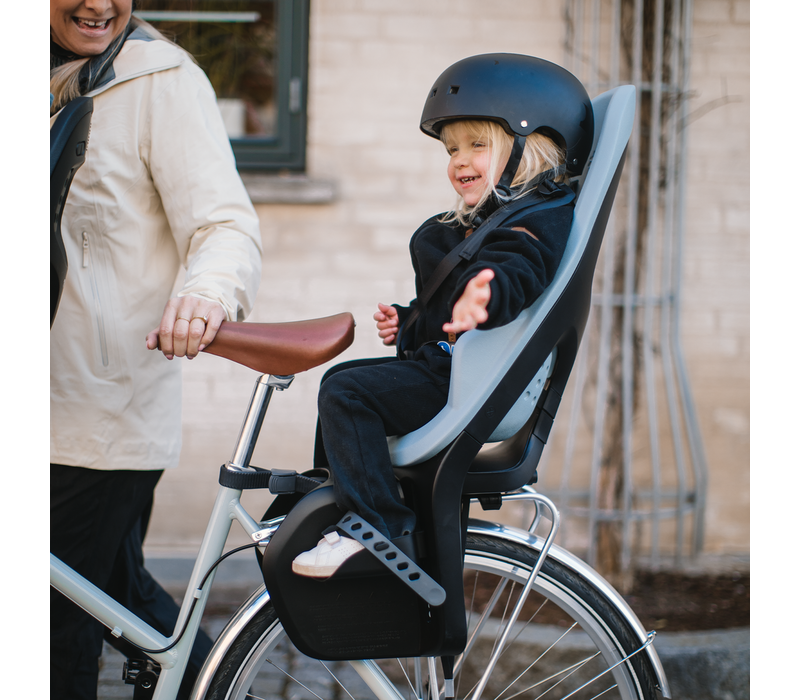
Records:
x=97, y=307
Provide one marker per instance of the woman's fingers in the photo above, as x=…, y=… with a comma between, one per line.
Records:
x=187, y=326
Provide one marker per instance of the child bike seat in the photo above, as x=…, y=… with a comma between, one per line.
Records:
x=362, y=612
x=509, y=381
x=506, y=383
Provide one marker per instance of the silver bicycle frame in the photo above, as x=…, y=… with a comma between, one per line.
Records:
x=227, y=508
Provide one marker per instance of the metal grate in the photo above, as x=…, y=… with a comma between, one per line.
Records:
x=627, y=467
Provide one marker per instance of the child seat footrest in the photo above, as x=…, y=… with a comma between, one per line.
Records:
x=392, y=558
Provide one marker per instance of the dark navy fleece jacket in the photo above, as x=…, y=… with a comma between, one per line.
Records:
x=523, y=267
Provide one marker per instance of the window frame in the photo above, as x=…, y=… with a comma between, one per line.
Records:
x=286, y=150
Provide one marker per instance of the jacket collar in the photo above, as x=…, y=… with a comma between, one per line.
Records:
x=141, y=54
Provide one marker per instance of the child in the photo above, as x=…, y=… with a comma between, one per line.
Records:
x=512, y=125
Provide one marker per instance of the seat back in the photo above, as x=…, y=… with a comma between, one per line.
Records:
x=494, y=385
x=494, y=373
x=69, y=136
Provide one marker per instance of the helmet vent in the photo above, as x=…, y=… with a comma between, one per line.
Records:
x=453, y=90
x=433, y=92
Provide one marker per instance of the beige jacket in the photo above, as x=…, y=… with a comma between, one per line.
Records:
x=159, y=190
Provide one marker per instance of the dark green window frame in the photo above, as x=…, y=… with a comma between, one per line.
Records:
x=286, y=149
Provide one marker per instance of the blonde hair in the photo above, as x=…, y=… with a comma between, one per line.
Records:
x=541, y=153
x=65, y=79
x=65, y=83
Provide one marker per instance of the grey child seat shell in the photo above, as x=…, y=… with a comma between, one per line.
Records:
x=482, y=358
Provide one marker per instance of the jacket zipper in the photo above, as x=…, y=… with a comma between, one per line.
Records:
x=98, y=311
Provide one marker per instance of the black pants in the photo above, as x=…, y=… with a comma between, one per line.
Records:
x=362, y=402
x=98, y=521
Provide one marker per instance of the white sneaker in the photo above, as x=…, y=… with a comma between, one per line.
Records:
x=331, y=552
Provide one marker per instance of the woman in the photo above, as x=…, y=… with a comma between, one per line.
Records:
x=158, y=190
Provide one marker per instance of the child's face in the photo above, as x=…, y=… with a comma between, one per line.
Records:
x=469, y=164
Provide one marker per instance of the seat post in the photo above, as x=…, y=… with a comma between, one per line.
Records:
x=251, y=426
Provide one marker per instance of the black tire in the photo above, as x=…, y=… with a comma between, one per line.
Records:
x=581, y=635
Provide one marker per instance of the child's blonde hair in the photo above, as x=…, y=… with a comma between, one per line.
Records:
x=541, y=154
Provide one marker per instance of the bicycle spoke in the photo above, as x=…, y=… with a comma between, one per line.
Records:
x=607, y=690
x=336, y=678
x=529, y=667
x=484, y=619
x=524, y=626
x=414, y=691
x=486, y=615
x=568, y=671
x=536, y=661
x=650, y=637
x=499, y=633
x=292, y=678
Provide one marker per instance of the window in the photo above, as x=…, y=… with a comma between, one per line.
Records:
x=255, y=52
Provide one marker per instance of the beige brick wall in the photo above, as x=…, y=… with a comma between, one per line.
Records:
x=371, y=64
x=716, y=290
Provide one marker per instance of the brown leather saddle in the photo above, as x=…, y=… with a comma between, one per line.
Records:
x=283, y=349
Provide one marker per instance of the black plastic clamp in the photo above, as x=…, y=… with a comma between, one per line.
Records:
x=278, y=481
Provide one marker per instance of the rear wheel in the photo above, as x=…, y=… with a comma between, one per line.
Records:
x=568, y=642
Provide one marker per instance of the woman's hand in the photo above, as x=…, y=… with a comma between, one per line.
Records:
x=387, y=320
x=470, y=309
x=188, y=325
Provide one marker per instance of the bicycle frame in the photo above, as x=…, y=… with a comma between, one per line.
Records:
x=371, y=672
x=227, y=508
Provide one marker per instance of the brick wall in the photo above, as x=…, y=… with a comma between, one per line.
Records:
x=371, y=64
x=716, y=290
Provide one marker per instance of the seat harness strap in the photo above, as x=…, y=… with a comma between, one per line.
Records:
x=539, y=198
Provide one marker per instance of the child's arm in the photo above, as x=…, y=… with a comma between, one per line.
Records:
x=470, y=309
x=387, y=321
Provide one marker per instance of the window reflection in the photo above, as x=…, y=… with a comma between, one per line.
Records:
x=235, y=42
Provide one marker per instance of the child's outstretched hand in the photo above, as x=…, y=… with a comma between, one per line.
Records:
x=470, y=309
x=386, y=320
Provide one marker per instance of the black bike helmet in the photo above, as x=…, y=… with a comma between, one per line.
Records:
x=524, y=94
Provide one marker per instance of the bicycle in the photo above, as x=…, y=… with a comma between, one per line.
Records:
x=463, y=615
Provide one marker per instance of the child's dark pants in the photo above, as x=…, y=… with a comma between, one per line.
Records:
x=362, y=402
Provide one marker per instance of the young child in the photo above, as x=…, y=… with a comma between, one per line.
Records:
x=511, y=125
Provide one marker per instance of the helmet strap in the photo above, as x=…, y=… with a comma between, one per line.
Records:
x=510, y=172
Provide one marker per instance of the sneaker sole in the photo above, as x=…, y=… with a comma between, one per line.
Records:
x=314, y=571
